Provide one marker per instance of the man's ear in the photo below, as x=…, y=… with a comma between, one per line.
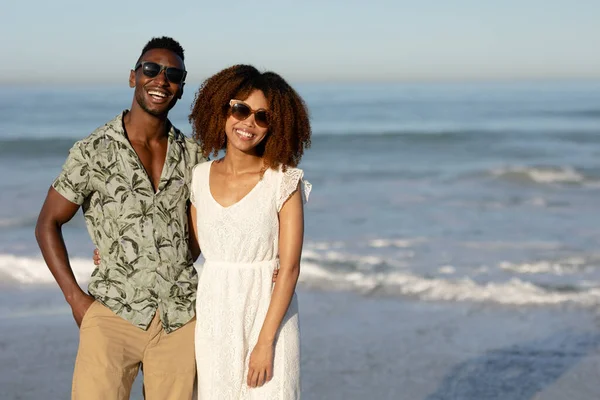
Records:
x=132, y=79
x=181, y=90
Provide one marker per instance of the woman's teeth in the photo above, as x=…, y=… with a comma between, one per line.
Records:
x=244, y=133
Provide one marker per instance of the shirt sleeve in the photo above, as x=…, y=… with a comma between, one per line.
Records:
x=291, y=180
x=73, y=182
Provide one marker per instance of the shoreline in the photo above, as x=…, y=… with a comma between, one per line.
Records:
x=357, y=347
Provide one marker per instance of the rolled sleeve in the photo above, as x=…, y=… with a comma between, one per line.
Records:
x=73, y=183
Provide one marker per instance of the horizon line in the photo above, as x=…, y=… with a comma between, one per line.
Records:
x=441, y=80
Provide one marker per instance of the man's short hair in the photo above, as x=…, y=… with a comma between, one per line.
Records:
x=163, y=42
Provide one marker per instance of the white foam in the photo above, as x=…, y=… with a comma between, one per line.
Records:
x=400, y=243
x=447, y=270
x=503, y=245
x=565, y=174
x=324, y=245
x=357, y=261
x=512, y=292
x=394, y=280
x=566, y=266
x=32, y=270
x=315, y=272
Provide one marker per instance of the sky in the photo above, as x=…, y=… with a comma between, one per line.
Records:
x=79, y=42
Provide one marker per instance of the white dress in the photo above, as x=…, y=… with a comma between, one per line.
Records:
x=240, y=246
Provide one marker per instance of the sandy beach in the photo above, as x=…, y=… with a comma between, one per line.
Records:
x=356, y=347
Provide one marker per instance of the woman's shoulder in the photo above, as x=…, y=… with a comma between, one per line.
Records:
x=282, y=171
x=200, y=168
x=289, y=180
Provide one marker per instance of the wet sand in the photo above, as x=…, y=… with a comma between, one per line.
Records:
x=357, y=347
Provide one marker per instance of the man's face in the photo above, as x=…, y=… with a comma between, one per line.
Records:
x=157, y=95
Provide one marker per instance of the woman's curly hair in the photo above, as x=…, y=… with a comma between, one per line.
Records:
x=289, y=127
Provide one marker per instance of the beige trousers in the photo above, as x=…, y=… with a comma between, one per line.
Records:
x=111, y=351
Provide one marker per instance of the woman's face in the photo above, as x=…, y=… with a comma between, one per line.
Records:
x=245, y=134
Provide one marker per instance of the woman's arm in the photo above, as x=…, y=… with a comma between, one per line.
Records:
x=291, y=237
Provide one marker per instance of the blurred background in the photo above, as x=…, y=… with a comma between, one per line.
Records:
x=455, y=176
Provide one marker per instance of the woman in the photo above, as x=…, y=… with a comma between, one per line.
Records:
x=250, y=222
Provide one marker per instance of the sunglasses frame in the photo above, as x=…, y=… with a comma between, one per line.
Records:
x=233, y=102
x=162, y=68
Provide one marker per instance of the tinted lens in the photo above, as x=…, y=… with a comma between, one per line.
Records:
x=240, y=111
x=175, y=75
x=261, y=118
x=150, y=69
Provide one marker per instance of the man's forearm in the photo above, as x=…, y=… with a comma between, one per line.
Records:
x=50, y=239
x=195, y=253
x=192, y=233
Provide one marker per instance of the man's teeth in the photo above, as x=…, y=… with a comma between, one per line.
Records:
x=244, y=133
x=156, y=93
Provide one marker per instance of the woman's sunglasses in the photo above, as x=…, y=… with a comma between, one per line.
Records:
x=241, y=111
x=152, y=70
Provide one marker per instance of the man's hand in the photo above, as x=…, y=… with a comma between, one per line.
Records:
x=79, y=306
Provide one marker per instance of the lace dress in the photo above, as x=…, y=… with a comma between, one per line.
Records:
x=240, y=246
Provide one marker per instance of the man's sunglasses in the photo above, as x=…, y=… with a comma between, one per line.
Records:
x=241, y=111
x=152, y=70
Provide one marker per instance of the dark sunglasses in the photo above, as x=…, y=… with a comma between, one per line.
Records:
x=152, y=70
x=241, y=111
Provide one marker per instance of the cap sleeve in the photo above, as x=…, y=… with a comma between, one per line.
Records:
x=196, y=171
x=291, y=180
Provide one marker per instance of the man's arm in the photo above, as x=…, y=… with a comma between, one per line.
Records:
x=55, y=212
x=192, y=232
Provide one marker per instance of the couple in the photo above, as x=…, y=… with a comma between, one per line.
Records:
x=151, y=202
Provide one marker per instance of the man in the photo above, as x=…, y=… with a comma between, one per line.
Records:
x=131, y=178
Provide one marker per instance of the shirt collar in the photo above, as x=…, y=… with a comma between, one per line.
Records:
x=116, y=130
x=176, y=145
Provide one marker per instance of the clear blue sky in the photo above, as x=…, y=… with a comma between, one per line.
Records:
x=305, y=40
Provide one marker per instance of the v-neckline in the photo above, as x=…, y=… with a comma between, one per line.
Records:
x=165, y=167
x=237, y=202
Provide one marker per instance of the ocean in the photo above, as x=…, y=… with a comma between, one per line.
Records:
x=461, y=194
